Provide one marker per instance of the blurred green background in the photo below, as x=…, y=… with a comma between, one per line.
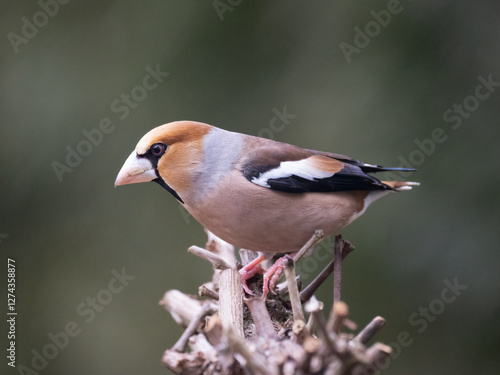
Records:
x=235, y=66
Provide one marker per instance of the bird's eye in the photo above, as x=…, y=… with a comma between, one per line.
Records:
x=158, y=149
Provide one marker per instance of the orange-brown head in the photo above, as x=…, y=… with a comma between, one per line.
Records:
x=168, y=155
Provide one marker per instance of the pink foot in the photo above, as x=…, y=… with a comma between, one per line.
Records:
x=249, y=271
x=248, y=274
x=271, y=276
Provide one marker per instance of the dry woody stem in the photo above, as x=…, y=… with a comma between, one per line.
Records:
x=230, y=334
x=370, y=330
x=231, y=301
x=337, y=268
x=293, y=289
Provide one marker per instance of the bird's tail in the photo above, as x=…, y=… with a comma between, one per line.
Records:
x=400, y=185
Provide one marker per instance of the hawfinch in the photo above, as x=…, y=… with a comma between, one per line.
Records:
x=256, y=193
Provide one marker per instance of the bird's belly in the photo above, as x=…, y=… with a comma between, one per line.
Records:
x=274, y=222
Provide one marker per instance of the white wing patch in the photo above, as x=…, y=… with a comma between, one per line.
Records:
x=302, y=168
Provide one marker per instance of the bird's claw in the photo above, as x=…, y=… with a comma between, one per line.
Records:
x=248, y=274
x=271, y=277
x=247, y=289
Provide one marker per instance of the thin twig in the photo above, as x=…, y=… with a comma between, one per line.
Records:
x=309, y=290
x=311, y=346
x=313, y=305
x=221, y=248
x=203, y=291
x=191, y=328
x=293, y=290
x=337, y=268
x=370, y=330
x=300, y=331
x=327, y=336
x=282, y=288
x=374, y=351
x=337, y=316
x=253, y=360
x=213, y=330
x=182, y=307
x=377, y=355
x=349, y=324
x=247, y=256
x=261, y=318
x=347, y=249
x=217, y=261
x=316, y=237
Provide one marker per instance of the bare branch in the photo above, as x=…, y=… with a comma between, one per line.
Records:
x=217, y=262
x=231, y=301
x=349, y=324
x=370, y=330
x=222, y=248
x=337, y=316
x=247, y=256
x=293, y=290
x=316, y=238
x=327, y=336
x=309, y=290
x=213, y=330
x=311, y=346
x=377, y=354
x=203, y=291
x=300, y=331
x=182, y=307
x=337, y=268
x=267, y=337
x=313, y=306
x=282, y=288
x=261, y=318
x=253, y=359
x=192, y=327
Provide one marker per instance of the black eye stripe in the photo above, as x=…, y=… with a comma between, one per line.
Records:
x=152, y=156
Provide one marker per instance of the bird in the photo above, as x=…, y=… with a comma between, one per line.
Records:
x=256, y=193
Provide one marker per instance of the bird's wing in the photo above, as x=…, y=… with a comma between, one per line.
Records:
x=295, y=170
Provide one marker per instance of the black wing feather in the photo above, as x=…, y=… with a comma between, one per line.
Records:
x=350, y=178
x=353, y=176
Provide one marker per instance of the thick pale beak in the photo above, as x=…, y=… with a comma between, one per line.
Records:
x=135, y=170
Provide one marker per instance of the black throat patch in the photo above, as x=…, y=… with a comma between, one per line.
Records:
x=154, y=162
x=164, y=185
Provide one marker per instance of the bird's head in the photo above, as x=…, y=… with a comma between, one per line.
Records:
x=167, y=155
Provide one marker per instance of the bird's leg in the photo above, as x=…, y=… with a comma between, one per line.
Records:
x=271, y=276
x=250, y=270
